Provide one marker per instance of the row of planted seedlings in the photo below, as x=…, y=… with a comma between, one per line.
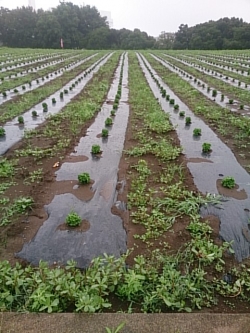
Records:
x=227, y=69
x=229, y=79
x=213, y=94
x=29, y=69
x=24, y=102
x=8, y=83
x=237, y=128
x=241, y=95
x=34, y=60
x=22, y=54
x=62, y=288
x=50, y=74
x=14, y=130
x=234, y=62
x=95, y=165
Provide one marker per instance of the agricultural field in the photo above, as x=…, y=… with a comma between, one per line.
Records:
x=124, y=181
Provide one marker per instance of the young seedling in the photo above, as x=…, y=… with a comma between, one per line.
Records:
x=228, y=182
x=61, y=94
x=214, y=93
x=176, y=107
x=4, y=94
x=15, y=90
x=206, y=147
x=112, y=113
x=167, y=97
x=20, y=120
x=2, y=132
x=73, y=219
x=66, y=91
x=231, y=101
x=108, y=122
x=84, y=178
x=45, y=107
x=197, y=132
x=171, y=101
x=34, y=113
x=115, y=106
x=96, y=149
x=242, y=107
x=182, y=113
x=188, y=120
x=53, y=100
x=105, y=133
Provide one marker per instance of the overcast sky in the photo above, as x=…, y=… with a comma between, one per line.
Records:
x=154, y=16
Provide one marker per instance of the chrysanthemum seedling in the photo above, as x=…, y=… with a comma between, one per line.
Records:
x=171, y=101
x=108, y=121
x=182, y=113
x=2, y=132
x=188, y=120
x=231, y=101
x=23, y=87
x=242, y=107
x=176, y=107
x=53, y=100
x=45, y=107
x=15, y=90
x=214, y=93
x=61, y=94
x=4, y=94
x=73, y=219
x=84, y=178
x=96, y=149
x=34, y=113
x=197, y=132
x=20, y=120
x=206, y=147
x=167, y=97
x=112, y=113
x=105, y=133
x=228, y=182
x=66, y=91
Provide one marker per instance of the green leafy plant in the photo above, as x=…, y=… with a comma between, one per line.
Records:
x=96, y=149
x=2, y=132
x=105, y=133
x=171, y=101
x=112, y=113
x=214, y=93
x=34, y=113
x=188, y=120
x=176, y=107
x=231, y=101
x=115, y=330
x=73, y=219
x=228, y=182
x=206, y=147
x=45, y=107
x=182, y=113
x=20, y=120
x=197, y=132
x=84, y=178
x=108, y=121
x=61, y=94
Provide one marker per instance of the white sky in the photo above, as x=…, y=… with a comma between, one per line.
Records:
x=154, y=16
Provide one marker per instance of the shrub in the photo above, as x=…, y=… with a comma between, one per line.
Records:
x=73, y=219
x=206, y=147
x=84, y=178
x=197, y=132
x=20, y=120
x=228, y=182
x=96, y=149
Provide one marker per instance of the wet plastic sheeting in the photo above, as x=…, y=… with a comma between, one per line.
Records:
x=233, y=214
x=15, y=132
x=106, y=233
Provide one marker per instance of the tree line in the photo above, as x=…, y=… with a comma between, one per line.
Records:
x=78, y=26
x=226, y=33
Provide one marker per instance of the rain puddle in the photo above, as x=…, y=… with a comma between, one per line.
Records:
x=200, y=85
x=14, y=132
x=104, y=232
x=49, y=77
x=209, y=169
